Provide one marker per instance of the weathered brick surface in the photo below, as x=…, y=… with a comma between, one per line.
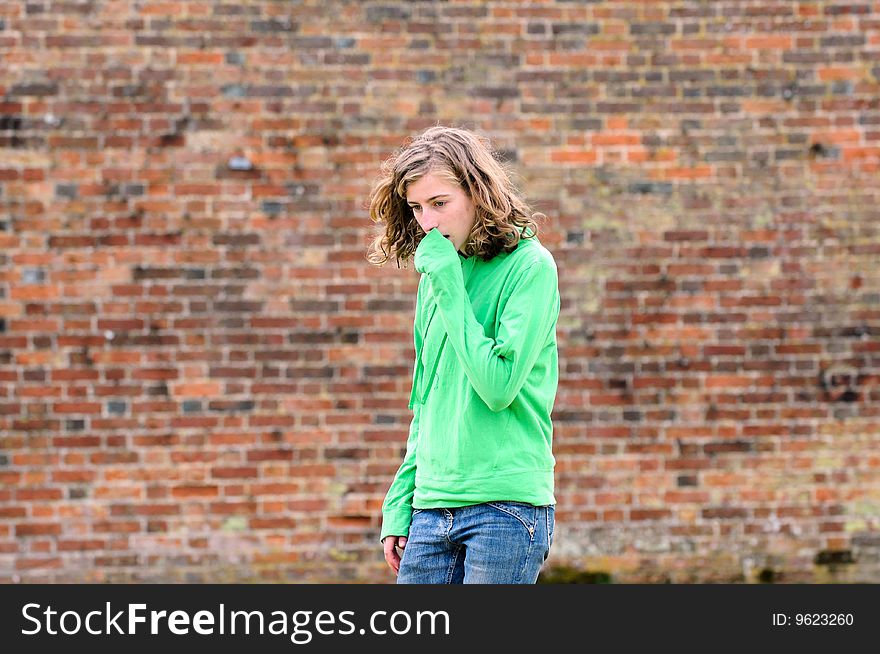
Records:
x=202, y=379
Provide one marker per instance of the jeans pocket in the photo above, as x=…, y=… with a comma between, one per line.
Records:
x=527, y=514
x=551, y=524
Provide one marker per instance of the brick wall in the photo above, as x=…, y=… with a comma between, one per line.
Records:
x=202, y=379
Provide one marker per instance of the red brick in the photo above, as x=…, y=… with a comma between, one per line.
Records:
x=187, y=492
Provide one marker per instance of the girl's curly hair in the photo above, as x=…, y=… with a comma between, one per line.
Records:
x=464, y=158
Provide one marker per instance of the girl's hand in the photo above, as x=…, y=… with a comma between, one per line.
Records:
x=391, y=543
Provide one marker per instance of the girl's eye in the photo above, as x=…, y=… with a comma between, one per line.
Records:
x=439, y=203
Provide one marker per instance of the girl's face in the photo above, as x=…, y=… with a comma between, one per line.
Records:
x=438, y=203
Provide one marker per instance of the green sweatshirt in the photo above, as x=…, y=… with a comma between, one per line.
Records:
x=484, y=382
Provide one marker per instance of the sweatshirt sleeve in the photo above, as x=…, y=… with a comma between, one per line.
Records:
x=397, y=507
x=496, y=368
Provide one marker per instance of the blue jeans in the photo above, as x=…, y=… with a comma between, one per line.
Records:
x=490, y=543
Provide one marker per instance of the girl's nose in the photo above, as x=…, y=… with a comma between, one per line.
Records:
x=429, y=222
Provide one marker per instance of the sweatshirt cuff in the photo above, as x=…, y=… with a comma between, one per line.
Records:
x=395, y=522
x=435, y=252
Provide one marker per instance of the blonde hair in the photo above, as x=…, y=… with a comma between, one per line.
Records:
x=463, y=158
